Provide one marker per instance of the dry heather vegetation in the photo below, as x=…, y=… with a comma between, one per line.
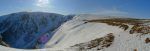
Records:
x=143, y=29
x=135, y=49
x=138, y=24
x=98, y=43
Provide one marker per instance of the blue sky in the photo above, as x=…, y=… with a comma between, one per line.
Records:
x=132, y=8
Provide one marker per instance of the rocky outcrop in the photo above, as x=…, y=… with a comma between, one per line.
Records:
x=98, y=43
x=2, y=42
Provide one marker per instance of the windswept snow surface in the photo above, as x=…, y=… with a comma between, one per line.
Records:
x=76, y=31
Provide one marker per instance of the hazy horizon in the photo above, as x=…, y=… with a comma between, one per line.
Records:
x=130, y=8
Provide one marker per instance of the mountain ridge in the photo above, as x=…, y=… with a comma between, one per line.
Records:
x=22, y=25
x=88, y=33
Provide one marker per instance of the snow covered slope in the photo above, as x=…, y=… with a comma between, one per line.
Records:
x=78, y=34
x=76, y=31
x=23, y=29
x=98, y=33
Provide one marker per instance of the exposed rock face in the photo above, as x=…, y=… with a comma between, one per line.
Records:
x=2, y=42
x=98, y=43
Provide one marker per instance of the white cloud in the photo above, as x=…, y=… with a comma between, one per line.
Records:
x=42, y=3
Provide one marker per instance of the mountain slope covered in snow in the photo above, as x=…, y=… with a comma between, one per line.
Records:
x=23, y=29
x=86, y=34
x=99, y=33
